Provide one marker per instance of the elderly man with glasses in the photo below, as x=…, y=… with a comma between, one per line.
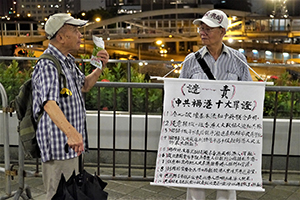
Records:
x=61, y=131
x=225, y=63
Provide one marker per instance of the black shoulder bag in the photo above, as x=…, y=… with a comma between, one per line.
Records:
x=204, y=66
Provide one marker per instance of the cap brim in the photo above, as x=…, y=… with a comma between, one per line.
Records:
x=76, y=22
x=205, y=21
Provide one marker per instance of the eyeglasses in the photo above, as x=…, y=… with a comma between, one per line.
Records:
x=206, y=30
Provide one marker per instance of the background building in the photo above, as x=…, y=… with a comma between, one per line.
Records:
x=132, y=6
x=38, y=10
x=73, y=6
x=267, y=7
x=87, y=5
x=5, y=7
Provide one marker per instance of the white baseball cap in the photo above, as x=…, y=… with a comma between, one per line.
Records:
x=213, y=18
x=56, y=21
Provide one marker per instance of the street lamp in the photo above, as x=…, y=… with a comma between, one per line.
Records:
x=158, y=42
x=98, y=19
x=230, y=40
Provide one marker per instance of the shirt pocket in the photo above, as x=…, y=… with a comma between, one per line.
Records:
x=199, y=75
x=232, y=76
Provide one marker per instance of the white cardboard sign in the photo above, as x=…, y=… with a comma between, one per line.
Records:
x=211, y=135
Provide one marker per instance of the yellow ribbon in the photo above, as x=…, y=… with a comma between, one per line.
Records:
x=66, y=91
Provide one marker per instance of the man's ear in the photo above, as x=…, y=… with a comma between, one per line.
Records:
x=59, y=38
x=223, y=31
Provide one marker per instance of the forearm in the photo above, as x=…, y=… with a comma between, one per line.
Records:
x=58, y=117
x=75, y=140
x=91, y=79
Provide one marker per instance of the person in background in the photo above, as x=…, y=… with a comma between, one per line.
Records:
x=224, y=62
x=61, y=131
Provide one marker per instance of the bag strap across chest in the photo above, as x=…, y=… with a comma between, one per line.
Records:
x=204, y=66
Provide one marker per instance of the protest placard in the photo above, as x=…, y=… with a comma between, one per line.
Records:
x=211, y=135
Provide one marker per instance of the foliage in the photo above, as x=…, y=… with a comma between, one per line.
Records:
x=283, y=98
x=116, y=72
x=11, y=77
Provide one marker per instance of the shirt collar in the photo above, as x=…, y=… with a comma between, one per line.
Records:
x=224, y=50
x=59, y=55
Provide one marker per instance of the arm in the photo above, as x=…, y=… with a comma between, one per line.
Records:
x=92, y=78
x=75, y=140
x=246, y=76
x=187, y=66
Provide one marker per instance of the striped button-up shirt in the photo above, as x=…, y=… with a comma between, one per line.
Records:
x=47, y=86
x=227, y=67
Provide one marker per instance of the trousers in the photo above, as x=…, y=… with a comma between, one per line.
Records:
x=199, y=194
x=52, y=171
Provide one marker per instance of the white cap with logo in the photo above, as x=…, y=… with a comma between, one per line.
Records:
x=213, y=18
x=56, y=21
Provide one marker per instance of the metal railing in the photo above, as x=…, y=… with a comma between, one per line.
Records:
x=145, y=151
x=293, y=91
x=272, y=154
x=148, y=28
x=23, y=189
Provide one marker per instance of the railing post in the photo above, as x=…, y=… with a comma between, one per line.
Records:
x=114, y=130
x=98, y=130
x=6, y=141
x=273, y=136
x=5, y=29
x=128, y=71
x=130, y=132
x=1, y=33
x=146, y=132
x=31, y=29
x=129, y=80
x=18, y=29
x=289, y=138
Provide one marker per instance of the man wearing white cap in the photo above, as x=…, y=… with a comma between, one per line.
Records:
x=224, y=63
x=61, y=131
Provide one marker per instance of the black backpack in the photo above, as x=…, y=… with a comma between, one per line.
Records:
x=23, y=106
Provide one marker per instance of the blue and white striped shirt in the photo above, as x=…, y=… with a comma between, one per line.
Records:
x=226, y=67
x=46, y=86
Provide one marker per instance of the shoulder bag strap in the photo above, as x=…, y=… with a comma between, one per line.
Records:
x=59, y=72
x=57, y=65
x=204, y=66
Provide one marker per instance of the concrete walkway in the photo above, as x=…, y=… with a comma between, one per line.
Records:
x=142, y=190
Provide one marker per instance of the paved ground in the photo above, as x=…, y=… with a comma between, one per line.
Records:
x=142, y=190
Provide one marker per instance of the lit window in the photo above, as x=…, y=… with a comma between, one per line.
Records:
x=268, y=53
x=286, y=54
